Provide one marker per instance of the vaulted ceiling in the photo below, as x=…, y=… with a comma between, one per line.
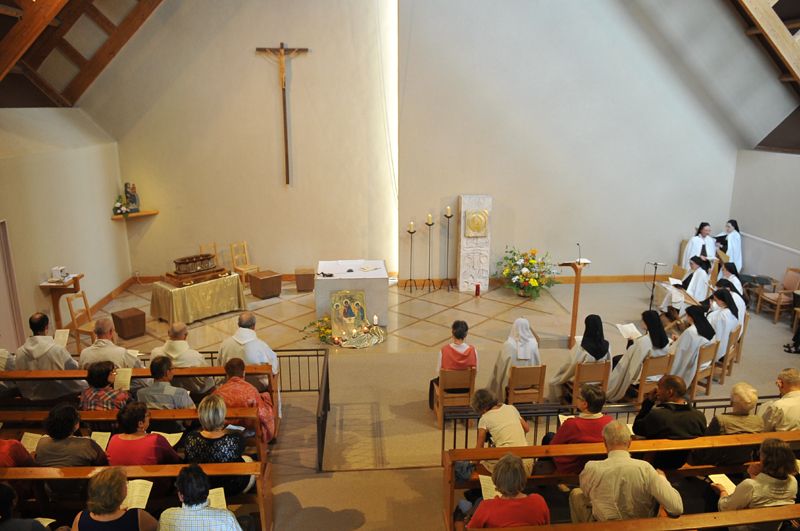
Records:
x=52, y=50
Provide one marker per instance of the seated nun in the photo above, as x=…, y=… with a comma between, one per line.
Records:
x=653, y=343
x=520, y=350
x=687, y=347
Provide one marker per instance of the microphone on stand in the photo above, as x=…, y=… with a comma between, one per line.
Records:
x=659, y=264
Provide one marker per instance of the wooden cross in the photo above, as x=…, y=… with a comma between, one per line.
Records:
x=282, y=54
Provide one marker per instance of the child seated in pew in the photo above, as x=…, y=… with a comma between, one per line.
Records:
x=8, y=500
x=107, y=490
x=101, y=395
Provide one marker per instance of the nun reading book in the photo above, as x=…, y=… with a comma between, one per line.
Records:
x=521, y=349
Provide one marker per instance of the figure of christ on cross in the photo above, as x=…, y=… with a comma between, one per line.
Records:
x=282, y=54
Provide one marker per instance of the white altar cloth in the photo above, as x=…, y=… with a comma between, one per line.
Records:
x=367, y=275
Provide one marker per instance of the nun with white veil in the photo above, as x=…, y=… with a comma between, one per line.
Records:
x=653, y=343
x=687, y=346
x=521, y=349
x=733, y=241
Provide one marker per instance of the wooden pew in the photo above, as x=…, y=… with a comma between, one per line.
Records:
x=687, y=521
x=248, y=413
x=262, y=471
x=598, y=449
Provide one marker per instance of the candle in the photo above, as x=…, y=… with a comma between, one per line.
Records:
x=430, y=219
x=447, y=211
x=354, y=332
x=375, y=319
x=410, y=226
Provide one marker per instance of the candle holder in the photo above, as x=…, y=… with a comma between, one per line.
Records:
x=429, y=281
x=447, y=278
x=411, y=284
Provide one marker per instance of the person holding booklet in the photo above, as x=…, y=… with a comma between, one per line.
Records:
x=694, y=284
x=8, y=500
x=101, y=394
x=592, y=348
x=195, y=511
x=653, y=343
x=687, y=346
x=702, y=245
x=107, y=490
x=733, y=242
x=134, y=446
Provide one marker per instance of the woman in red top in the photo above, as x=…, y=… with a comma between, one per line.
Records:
x=512, y=508
x=135, y=446
x=455, y=356
x=12, y=453
x=585, y=428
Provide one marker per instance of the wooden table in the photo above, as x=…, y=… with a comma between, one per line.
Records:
x=57, y=290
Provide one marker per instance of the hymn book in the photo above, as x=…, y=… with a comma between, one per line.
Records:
x=45, y=521
x=101, y=438
x=138, y=494
x=172, y=438
x=122, y=380
x=216, y=498
x=629, y=331
x=723, y=480
x=61, y=337
x=30, y=441
x=488, y=491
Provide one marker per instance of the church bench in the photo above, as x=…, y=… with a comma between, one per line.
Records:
x=638, y=446
x=248, y=413
x=262, y=470
x=686, y=521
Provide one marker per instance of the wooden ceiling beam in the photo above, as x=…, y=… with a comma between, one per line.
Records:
x=72, y=54
x=100, y=19
x=775, y=33
x=15, y=12
x=132, y=22
x=24, y=33
x=46, y=88
x=50, y=38
x=792, y=24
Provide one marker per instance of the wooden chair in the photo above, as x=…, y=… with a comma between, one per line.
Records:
x=653, y=367
x=240, y=260
x=445, y=394
x=681, y=250
x=596, y=372
x=87, y=328
x=526, y=385
x=678, y=272
x=740, y=341
x=704, y=377
x=781, y=295
x=795, y=320
x=725, y=364
x=712, y=275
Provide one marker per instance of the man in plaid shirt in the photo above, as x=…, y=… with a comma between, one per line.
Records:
x=195, y=513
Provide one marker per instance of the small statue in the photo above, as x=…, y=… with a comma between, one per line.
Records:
x=131, y=197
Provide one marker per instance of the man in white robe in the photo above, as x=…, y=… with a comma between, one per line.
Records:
x=245, y=345
x=41, y=353
x=182, y=355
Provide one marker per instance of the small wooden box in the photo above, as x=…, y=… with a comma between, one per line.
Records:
x=265, y=284
x=129, y=323
x=304, y=278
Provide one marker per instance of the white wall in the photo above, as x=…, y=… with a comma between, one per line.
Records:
x=764, y=204
x=197, y=115
x=56, y=195
x=587, y=122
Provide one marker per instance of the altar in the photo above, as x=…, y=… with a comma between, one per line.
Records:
x=369, y=276
x=197, y=301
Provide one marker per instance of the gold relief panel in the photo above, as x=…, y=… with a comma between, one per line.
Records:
x=476, y=224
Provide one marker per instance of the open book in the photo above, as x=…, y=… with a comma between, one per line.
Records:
x=61, y=337
x=172, y=438
x=138, y=494
x=488, y=490
x=122, y=379
x=723, y=480
x=216, y=498
x=629, y=331
x=101, y=438
x=30, y=441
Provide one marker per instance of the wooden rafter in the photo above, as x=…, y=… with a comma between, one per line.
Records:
x=100, y=19
x=35, y=18
x=45, y=87
x=51, y=37
x=10, y=11
x=792, y=24
x=775, y=33
x=71, y=53
x=132, y=22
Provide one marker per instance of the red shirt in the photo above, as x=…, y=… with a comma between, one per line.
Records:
x=152, y=449
x=578, y=430
x=453, y=360
x=516, y=512
x=12, y=453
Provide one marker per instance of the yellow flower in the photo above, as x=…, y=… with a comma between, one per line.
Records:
x=533, y=251
x=506, y=271
x=533, y=282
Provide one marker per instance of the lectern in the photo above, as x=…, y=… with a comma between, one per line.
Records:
x=577, y=266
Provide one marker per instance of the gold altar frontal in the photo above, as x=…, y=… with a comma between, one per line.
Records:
x=198, y=301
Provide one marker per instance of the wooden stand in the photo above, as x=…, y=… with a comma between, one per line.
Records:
x=57, y=289
x=577, y=267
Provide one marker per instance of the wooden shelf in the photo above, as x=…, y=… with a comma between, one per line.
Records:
x=140, y=214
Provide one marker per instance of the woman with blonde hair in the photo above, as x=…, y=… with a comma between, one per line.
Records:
x=107, y=490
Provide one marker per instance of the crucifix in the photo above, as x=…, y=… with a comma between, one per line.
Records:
x=282, y=54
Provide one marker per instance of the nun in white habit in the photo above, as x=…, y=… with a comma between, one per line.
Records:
x=730, y=272
x=592, y=348
x=733, y=240
x=741, y=305
x=701, y=244
x=520, y=350
x=653, y=343
x=695, y=284
x=723, y=318
x=687, y=346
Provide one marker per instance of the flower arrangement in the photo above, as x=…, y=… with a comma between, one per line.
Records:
x=525, y=273
x=120, y=207
x=320, y=328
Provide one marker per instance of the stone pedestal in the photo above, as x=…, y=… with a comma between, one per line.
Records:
x=474, y=240
x=351, y=275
